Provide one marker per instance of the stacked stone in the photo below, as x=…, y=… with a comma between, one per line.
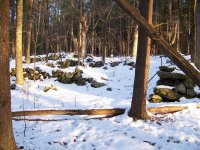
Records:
x=75, y=77
x=32, y=74
x=180, y=86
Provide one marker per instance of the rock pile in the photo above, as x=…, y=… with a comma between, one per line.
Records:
x=68, y=63
x=115, y=63
x=75, y=77
x=32, y=74
x=96, y=64
x=181, y=85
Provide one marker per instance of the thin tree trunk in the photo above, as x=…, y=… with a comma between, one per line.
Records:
x=30, y=22
x=138, y=106
x=135, y=40
x=19, y=69
x=197, y=57
x=7, y=141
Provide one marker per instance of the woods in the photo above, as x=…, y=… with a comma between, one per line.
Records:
x=84, y=48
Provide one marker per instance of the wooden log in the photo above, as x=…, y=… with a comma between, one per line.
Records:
x=177, y=58
x=166, y=109
x=107, y=112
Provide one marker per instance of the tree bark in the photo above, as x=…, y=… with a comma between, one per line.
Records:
x=197, y=54
x=138, y=106
x=178, y=59
x=7, y=141
x=30, y=22
x=19, y=69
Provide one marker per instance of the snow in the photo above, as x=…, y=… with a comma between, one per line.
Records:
x=178, y=131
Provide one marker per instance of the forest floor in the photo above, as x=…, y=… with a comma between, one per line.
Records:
x=180, y=131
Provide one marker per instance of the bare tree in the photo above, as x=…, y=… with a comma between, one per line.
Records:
x=30, y=21
x=197, y=43
x=138, y=106
x=19, y=69
x=7, y=141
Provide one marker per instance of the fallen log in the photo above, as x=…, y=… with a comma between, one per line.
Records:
x=179, y=60
x=166, y=109
x=107, y=112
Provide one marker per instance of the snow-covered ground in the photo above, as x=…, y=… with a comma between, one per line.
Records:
x=180, y=130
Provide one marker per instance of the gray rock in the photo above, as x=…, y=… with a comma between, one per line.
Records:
x=109, y=89
x=81, y=81
x=77, y=75
x=99, y=64
x=191, y=93
x=64, y=79
x=113, y=64
x=132, y=63
x=105, y=68
x=167, y=68
x=168, y=82
x=13, y=86
x=181, y=88
x=189, y=83
x=171, y=75
x=96, y=84
x=57, y=73
x=89, y=80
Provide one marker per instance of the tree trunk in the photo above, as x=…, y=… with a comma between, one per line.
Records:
x=178, y=59
x=13, y=28
x=83, y=35
x=30, y=22
x=197, y=54
x=135, y=40
x=138, y=106
x=19, y=69
x=7, y=141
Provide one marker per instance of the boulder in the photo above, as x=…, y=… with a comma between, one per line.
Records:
x=77, y=75
x=45, y=74
x=155, y=98
x=98, y=64
x=166, y=68
x=96, y=84
x=69, y=75
x=168, y=94
x=132, y=63
x=191, y=93
x=64, y=79
x=29, y=70
x=13, y=86
x=189, y=83
x=92, y=65
x=50, y=65
x=78, y=70
x=109, y=89
x=181, y=88
x=81, y=81
x=171, y=75
x=57, y=73
x=89, y=80
x=64, y=64
x=113, y=64
x=168, y=82
x=105, y=68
